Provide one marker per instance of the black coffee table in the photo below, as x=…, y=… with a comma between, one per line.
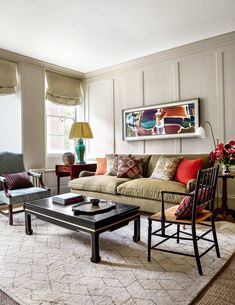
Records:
x=94, y=224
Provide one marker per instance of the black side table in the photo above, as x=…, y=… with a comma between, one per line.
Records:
x=224, y=210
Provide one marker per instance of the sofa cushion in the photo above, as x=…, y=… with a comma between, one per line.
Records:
x=101, y=166
x=165, y=168
x=18, y=180
x=151, y=189
x=129, y=167
x=102, y=184
x=112, y=164
x=187, y=170
x=145, y=159
x=185, y=208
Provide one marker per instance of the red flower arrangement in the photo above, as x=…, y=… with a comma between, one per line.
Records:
x=224, y=153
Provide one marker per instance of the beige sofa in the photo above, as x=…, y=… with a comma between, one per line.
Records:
x=144, y=192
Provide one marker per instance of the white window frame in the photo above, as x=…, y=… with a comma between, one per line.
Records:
x=51, y=155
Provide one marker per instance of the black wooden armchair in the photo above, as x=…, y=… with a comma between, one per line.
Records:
x=11, y=163
x=203, y=195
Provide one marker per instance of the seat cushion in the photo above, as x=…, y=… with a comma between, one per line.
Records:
x=23, y=195
x=151, y=189
x=170, y=216
x=102, y=184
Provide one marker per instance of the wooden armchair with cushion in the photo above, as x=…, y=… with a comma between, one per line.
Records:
x=196, y=208
x=15, y=185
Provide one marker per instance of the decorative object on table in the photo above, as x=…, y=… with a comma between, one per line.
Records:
x=224, y=154
x=80, y=131
x=67, y=198
x=93, y=206
x=172, y=120
x=68, y=158
x=200, y=132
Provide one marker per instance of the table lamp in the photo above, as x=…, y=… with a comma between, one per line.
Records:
x=80, y=131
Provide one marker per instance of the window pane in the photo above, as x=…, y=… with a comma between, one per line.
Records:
x=59, y=144
x=60, y=110
x=59, y=126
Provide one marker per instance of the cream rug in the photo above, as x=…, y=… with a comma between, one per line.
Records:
x=52, y=267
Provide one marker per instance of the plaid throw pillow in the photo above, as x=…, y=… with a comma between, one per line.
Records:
x=129, y=168
x=17, y=181
x=185, y=207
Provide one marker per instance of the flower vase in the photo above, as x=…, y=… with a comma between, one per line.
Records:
x=226, y=169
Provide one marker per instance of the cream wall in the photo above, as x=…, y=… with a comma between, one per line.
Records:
x=204, y=69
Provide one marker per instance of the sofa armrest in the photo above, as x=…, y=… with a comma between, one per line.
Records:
x=86, y=174
x=191, y=185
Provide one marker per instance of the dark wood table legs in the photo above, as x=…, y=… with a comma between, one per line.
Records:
x=136, y=236
x=28, y=228
x=224, y=210
x=95, y=248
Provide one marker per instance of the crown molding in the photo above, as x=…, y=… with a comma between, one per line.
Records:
x=19, y=58
x=167, y=55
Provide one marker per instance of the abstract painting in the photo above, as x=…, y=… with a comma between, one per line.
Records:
x=172, y=120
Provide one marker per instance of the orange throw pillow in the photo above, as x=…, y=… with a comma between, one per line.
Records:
x=187, y=170
x=101, y=166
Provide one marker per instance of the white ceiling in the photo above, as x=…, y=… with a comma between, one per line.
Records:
x=86, y=35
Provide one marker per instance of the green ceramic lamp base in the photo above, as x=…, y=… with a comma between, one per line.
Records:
x=80, y=150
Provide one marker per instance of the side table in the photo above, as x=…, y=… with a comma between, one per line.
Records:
x=72, y=170
x=224, y=210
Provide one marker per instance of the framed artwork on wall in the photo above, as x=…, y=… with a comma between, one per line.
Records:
x=162, y=121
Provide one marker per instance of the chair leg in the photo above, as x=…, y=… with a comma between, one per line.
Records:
x=215, y=236
x=196, y=249
x=149, y=239
x=10, y=214
x=178, y=233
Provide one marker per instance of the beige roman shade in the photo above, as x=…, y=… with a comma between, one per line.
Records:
x=8, y=80
x=63, y=89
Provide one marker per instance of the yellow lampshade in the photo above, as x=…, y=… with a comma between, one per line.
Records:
x=80, y=130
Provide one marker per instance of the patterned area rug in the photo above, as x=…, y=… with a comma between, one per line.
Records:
x=52, y=267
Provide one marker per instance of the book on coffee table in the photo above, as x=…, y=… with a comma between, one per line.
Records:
x=67, y=198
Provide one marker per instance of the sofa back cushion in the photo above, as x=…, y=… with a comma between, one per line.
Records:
x=146, y=159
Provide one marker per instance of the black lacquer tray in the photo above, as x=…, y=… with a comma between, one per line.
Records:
x=93, y=207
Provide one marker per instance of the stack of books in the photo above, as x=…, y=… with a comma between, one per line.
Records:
x=67, y=198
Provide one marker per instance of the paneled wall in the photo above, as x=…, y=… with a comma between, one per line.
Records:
x=204, y=69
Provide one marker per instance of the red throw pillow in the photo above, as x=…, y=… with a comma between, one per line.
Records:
x=185, y=207
x=187, y=170
x=101, y=166
x=17, y=181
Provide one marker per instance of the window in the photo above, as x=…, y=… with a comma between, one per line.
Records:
x=59, y=119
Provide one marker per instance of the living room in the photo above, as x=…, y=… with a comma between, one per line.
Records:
x=170, y=52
